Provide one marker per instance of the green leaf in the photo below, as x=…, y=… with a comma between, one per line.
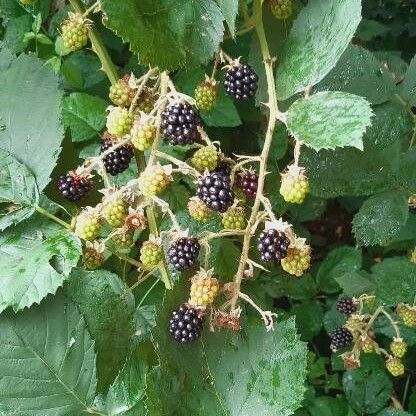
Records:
x=229, y=9
x=355, y=283
x=383, y=326
x=395, y=281
x=220, y=375
x=408, y=87
x=336, y=263
x=380, y=218
x=108, y=308
x=15, y=32
x=367, y=388
x=162, y=36
x=224, y=258
x=36, y=258
x=128, y=388
x=329, y=406
x=18, y=191
x=393, y=412
x=84, y=115
x=224, y=114
x=30, y=127
x=359, y=72
x=309, y=317
x=328, y=120
x=319, y=36
x=47, y=361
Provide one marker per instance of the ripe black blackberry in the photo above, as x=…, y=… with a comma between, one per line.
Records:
x=346, y=306
x=118, y=160
x=179, y=122
x=241, y=82
x=214, y=189
x=248, y=184
x=73, y=186
x=183, y=252
x=272, y=245
x=185, y=324
x=340, y=338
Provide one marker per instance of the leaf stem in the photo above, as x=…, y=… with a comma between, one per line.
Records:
x=148, y=292
x=273, y=111
x=53, y=217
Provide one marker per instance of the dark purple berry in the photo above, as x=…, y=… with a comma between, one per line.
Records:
x=185, y=324
x=118, y=160
x=272, y=245
x=73, y=186
x=240, y=82
x=346, y=306
x=340, y=338
x=249, y=183
x=183, y=252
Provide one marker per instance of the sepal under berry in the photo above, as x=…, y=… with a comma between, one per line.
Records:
x=233, y=219
x=151, y=254
x=88, y=225
x=142, y=136
x=295, y=185
x=204, y=289
x=206, y=95
x=119, y=121
x=74, y=31
x=121, y=93
x=185, y=324
x=297, y=259
x=281, y=9
x=155, y=179
x=395, y=367
x=115, y=212
x=205, y=158
x=398, y=348
x=198, y=210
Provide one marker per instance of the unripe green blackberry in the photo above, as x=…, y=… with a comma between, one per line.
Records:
x=75, y=31
x=123, y=240
x=395, y=366
x=297, y=260
x=198, y=210
x=295, y=185
x=408, y=314
x=204, y=289
x=146, y=102
x=205, y=158
x=412, y=202
x=142, y=136
x=281, y=9
x=154, y=180
x=151, y=254
x=119, y=121
x=398, y=347
x=92, y=258
x=233, y=219
x=206, y=95
x=87, y=225
x=115, y=212
x=121, y=94
x=366, y=344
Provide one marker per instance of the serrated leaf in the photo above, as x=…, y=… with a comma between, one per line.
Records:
x=393, y=412
x=108, y=308
x=30, y=122
x=18, y=191
x=220, y=375
x=224, y=258
x=84, y=115
x=164, y=37
x=47, y=361
x=309, y=318
x=328, y=120
x=408, y=87
x=229, y=9
x=36, y=257
x=319, y=36
x=395, y=281
x=380, y=218
x=383, y=326
x=355, y=283
x=145, y=319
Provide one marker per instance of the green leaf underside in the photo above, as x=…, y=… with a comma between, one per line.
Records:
x=18, y=191
x=30, y=127
x=47, y=361
x=251, y=372
x=108, y=307
x=328, y=120
x=319, y=36
x=35, y=259
x=166, y=34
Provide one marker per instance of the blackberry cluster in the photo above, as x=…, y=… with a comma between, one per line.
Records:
x=340, y=338
x=249, y=183
x=214, y=189
x=183, y=252
x=273, y=245
x=118, y=160
x=179, y=122
x=72, y=186
x=185, y=324
x=346, y=306
x=241, y=82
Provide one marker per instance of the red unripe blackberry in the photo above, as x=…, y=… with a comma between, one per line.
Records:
x=346, y=306
x=340, y=338
x=248, y=184
x=179, y=123
x=240, y=82
x=185, y=324
x=183, y=252
x=272, y=245
x=214, y=189
x=118, y=160
x=73, y=186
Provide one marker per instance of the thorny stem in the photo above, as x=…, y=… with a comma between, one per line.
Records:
x=267, y=316
x=98, y=47
x=273, y=111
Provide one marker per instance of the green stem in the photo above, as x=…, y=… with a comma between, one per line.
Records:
x=98, y=47
x=53, y=217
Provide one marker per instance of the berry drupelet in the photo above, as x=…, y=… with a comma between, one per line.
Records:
x=346, y=306
x=240, y=82
x=185, y=324
x=179, y=123
x=340, y=338
x=118, y=160
x=273, y=245
x=183, y=252
x=73, y=186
